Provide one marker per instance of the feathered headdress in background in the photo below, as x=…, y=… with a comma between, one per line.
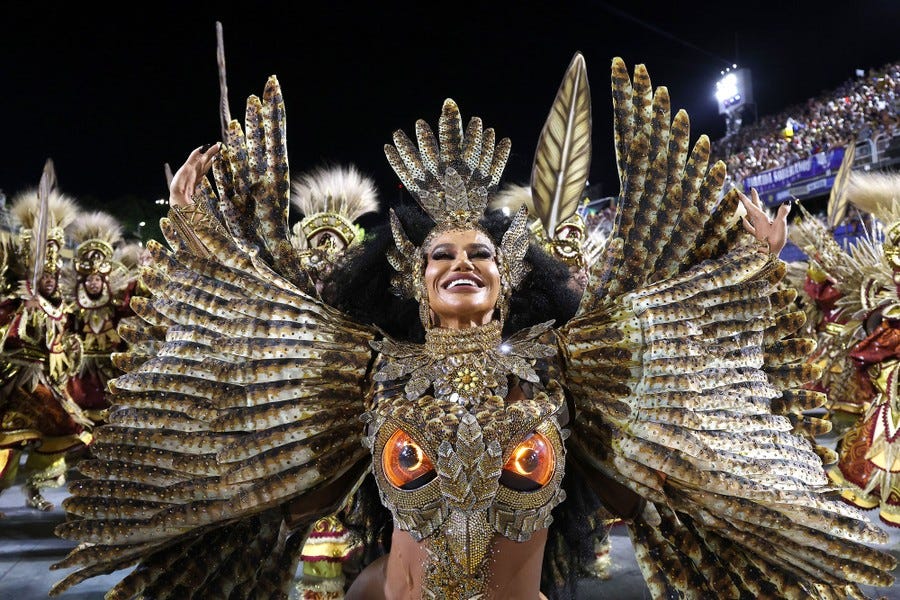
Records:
x=34, y=224
x=331, y=200
x=96, y=236
x=876, y=193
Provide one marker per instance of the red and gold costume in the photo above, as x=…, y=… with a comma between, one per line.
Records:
x=859, y=335
x=38, y=356
x=101, y=290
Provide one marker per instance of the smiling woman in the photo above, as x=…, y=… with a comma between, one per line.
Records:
x=461, y=279
x=673, y=394
x=476, y=472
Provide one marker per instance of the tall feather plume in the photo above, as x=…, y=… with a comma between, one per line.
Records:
x=97, y=225
x=341, y=190
x=563, y=156
x=39, y=236
x=167, y=171
x=511, y=197
x=224, y=110
x=24, y=209
x=839, y=198
x=876, y=193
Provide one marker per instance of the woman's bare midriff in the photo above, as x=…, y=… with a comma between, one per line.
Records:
x=515, y=572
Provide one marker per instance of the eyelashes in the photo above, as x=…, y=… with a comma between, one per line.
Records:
x=478, y=252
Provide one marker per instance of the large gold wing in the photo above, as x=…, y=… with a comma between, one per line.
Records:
x=686, y=372
x=236, y=424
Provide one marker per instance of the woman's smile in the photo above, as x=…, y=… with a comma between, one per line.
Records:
x=465, y=283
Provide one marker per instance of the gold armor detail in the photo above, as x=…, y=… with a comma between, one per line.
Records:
x=468, y=435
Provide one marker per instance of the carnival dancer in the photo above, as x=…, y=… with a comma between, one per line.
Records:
x=863, y=344
x=100, y=290
x=39, y=419
x=490, y=407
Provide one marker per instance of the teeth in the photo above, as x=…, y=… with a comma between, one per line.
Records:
x=457, y=282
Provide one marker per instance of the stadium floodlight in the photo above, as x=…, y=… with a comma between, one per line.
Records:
x=734, y=90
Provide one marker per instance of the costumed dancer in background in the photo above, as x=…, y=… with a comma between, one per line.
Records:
x=132, y=256
x=100, y=290
x=38, y=353
x=330, y=201
x=830, y=272
x=489, y=408
x=864, y=344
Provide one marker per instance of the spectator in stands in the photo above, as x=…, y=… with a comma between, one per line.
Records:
x=862, y=108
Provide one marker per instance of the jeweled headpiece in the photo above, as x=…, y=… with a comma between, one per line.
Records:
x=452, y=177
x=331, y=200
x=95, y=234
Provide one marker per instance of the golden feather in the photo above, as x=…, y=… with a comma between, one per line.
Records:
x=838, y=200
x=39, y=241
x=563, y=157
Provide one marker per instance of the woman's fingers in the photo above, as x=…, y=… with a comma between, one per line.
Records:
x=763, y=228
x=752, y=218
x=756, y=199
x=778, y=236
x=748, y=227
x=186, y=179
x=783, y=212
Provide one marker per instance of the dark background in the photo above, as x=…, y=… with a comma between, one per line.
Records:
x=112, y=95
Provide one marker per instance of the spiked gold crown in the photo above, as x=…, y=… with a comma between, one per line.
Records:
x=452, y=176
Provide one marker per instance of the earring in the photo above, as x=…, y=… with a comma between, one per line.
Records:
x=424, y=307
x=425, y=314
x=502, y=305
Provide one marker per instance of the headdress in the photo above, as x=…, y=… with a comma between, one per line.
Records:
x=96, y=235
x=879, y=194
x=331, y=200
x=451, y=177
x=25, y=211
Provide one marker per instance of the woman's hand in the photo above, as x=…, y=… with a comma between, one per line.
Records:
x=758, y=223
x=186, y=179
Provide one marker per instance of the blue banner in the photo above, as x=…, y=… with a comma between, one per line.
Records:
x=808, y=168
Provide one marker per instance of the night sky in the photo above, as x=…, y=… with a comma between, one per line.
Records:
x=112, y=97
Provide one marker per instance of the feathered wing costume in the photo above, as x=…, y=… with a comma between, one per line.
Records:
x=241, y=425
x=700, y=358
